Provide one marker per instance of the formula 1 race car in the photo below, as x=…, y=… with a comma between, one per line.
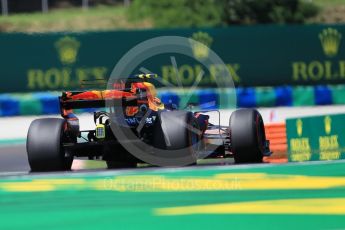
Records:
x=133, y=105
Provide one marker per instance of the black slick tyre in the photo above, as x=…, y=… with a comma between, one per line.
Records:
x=45, y=145
x=247, y=136
x=178, y=132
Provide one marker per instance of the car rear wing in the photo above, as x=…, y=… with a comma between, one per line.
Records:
x=118, y=93
x=101, y=102
x=81, y=104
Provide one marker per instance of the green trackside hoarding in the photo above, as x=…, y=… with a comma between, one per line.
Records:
x=255, y=56
x=316, y=138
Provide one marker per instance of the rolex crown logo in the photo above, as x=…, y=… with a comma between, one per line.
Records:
x=328, y=124
x=200, y=42
x=67, y=48
x=299, y=126
x=330, y=40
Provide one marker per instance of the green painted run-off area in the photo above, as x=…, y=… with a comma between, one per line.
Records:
x=302, y=196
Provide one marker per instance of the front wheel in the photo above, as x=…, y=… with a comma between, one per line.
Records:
x=247, y=136
x=44, y=145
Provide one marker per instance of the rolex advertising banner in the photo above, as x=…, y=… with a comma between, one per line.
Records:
x=316, y=138
x=267, y=55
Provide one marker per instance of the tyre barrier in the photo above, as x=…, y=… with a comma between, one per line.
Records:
x=43, y=103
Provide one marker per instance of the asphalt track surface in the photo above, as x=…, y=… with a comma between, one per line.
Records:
x=13, y=158
x=264, y=196
x=13, y=161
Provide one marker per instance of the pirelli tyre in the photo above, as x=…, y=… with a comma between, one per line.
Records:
x=178, y=132
x=45, y=145
x=247, y=136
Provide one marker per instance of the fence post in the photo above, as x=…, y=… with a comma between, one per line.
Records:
x=45, y=7
x=4, y=8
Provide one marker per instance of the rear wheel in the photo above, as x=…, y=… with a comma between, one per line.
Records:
x=247, y=136
x=45, y=145
x=179, y=132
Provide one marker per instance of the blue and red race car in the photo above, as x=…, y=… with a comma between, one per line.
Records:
x=133, y=119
